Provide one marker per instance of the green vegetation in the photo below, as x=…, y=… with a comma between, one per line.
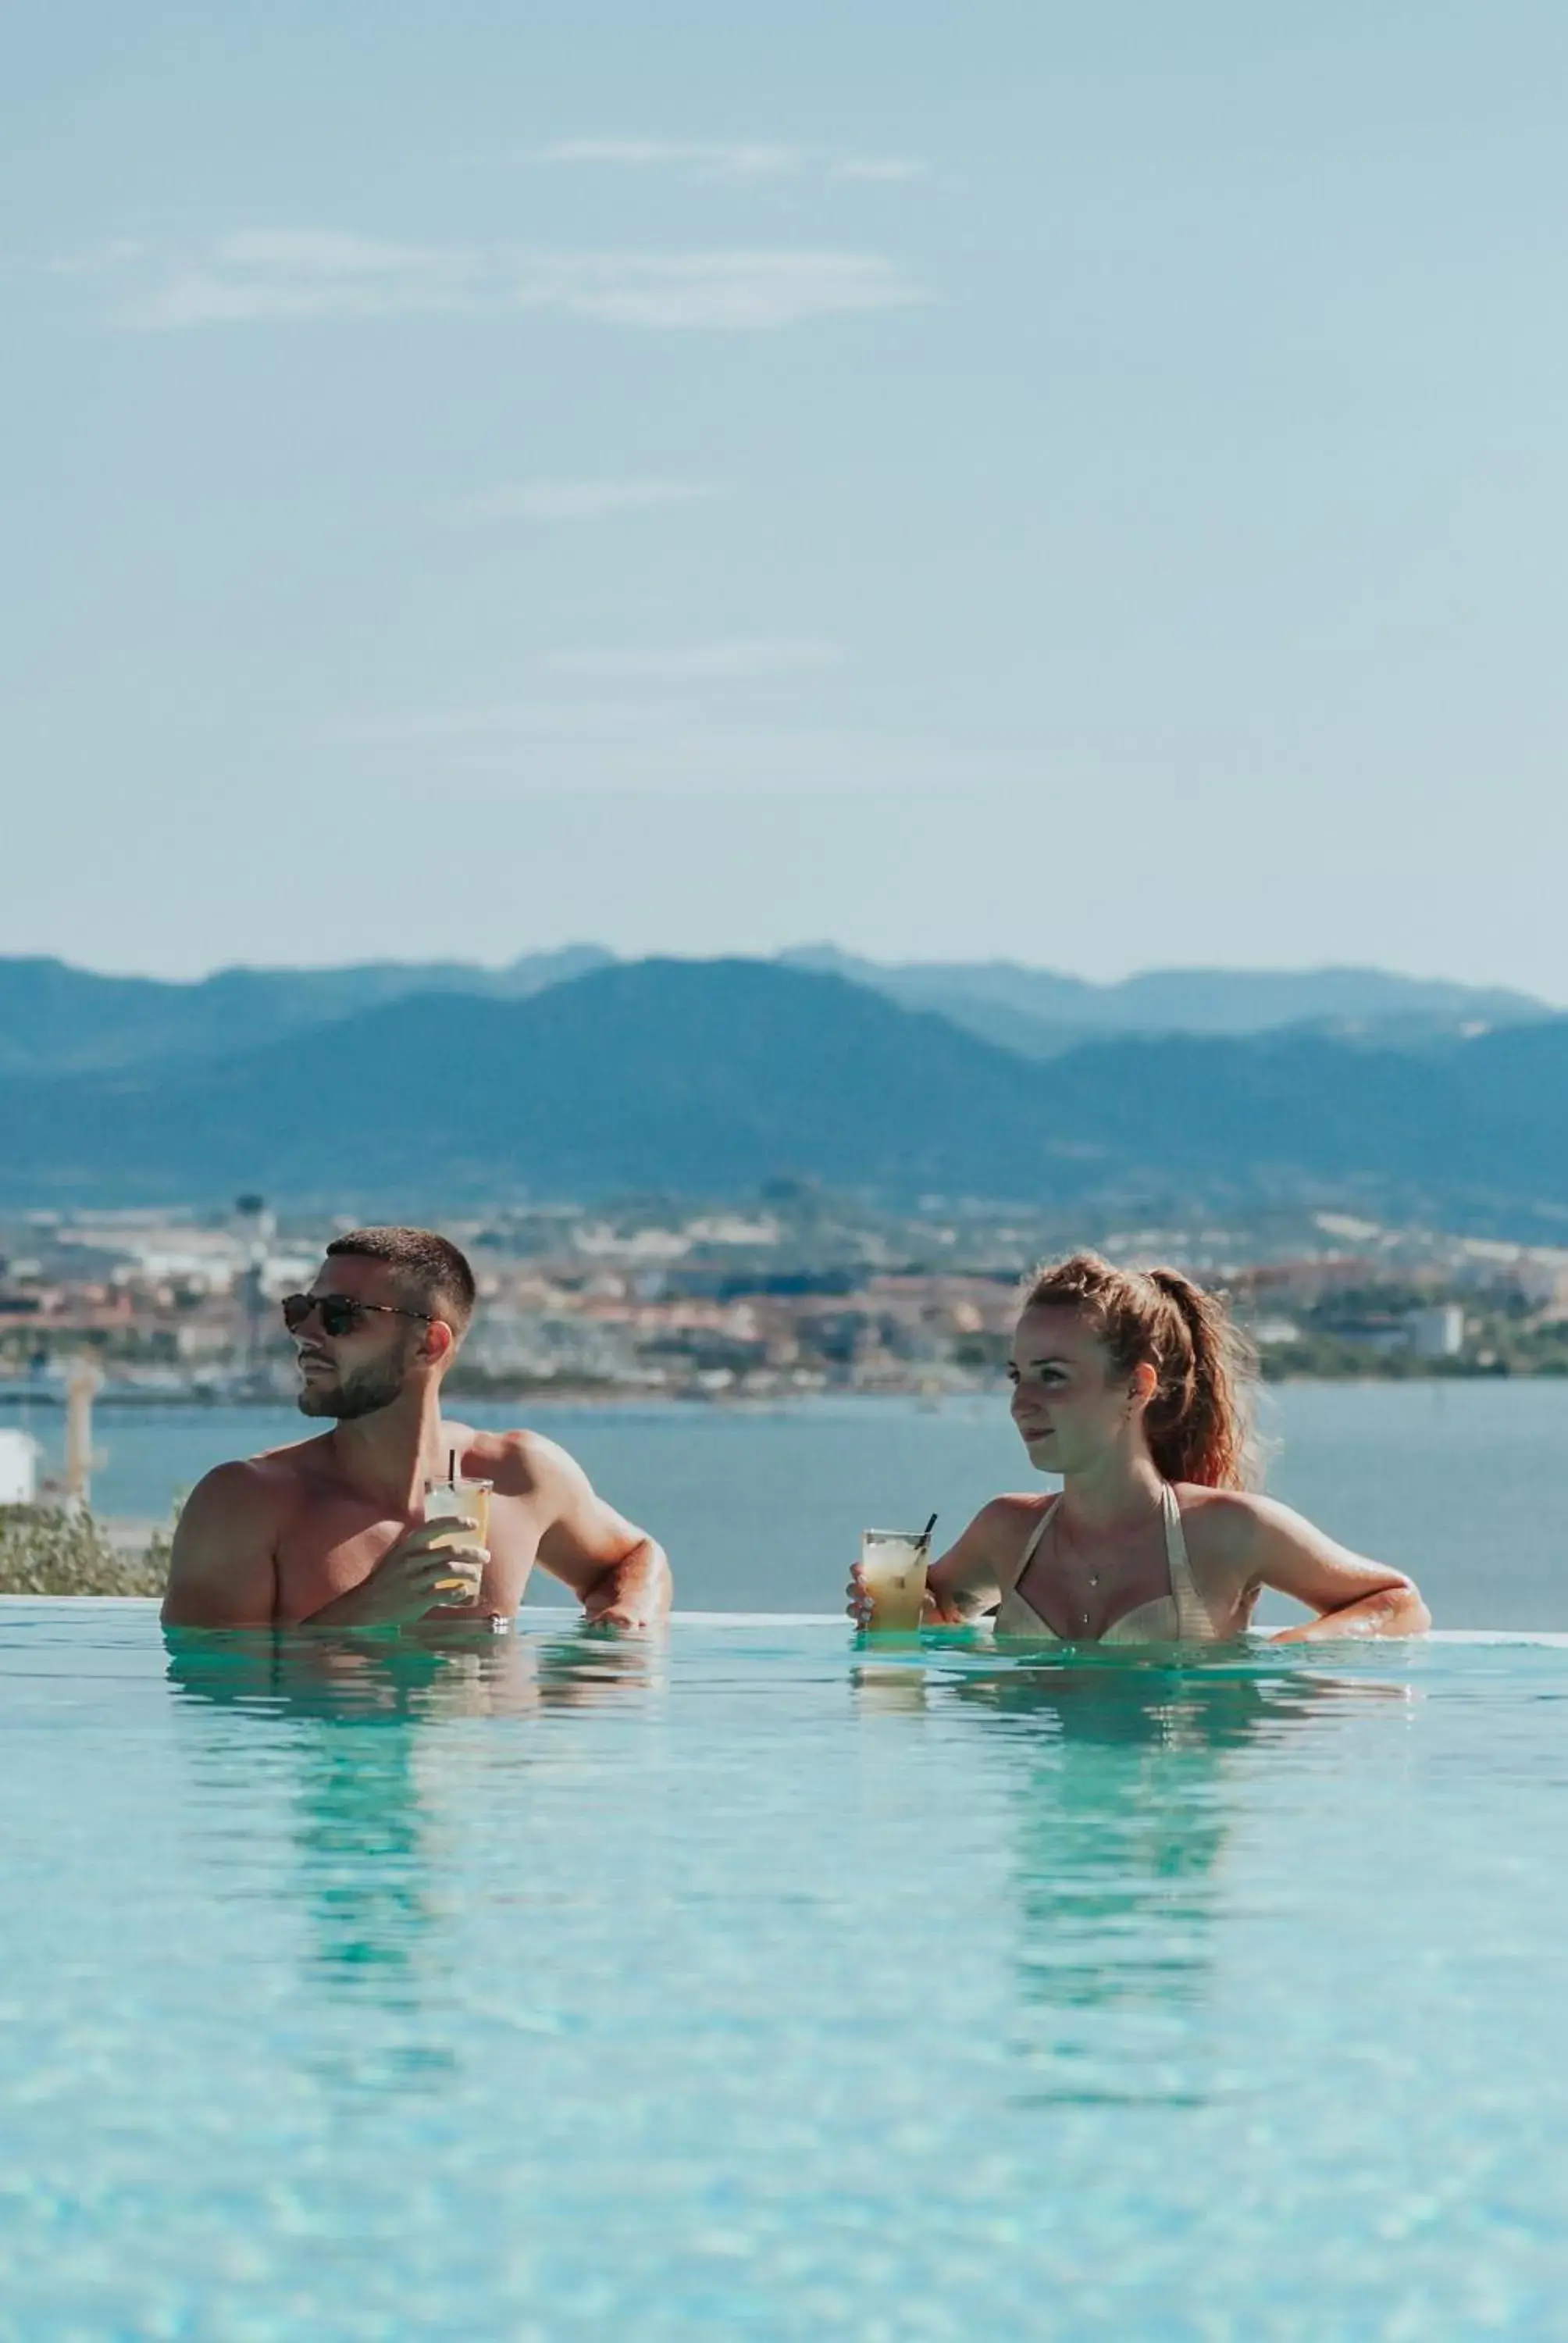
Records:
x=53, y=1550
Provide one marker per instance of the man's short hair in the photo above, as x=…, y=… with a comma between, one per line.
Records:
x=429, y=1267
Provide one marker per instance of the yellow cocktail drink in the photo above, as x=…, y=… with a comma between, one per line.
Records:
x=466, y=1504
x=893, y=1572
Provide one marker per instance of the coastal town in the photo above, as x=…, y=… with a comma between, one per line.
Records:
x=788, y=1292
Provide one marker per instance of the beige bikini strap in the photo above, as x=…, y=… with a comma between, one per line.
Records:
x=1193, y=1624
x=1027, y=1556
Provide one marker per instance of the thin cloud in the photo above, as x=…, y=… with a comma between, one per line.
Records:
x=104, y=259
x=540, y=749
x=707, y=158
x=259, y=276
x=506, y=724
x=880, y=170
x=726, y=159
x=723, y=292
x=603, y=699
x=743, y=660
x=567, y=500
x=299, y=275
x=666, y=721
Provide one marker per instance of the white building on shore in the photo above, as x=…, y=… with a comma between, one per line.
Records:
x=18, y=1467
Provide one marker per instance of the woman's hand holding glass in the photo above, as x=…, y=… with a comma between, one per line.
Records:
x=938, y=1611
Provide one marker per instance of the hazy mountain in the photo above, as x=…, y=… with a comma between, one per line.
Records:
x=54, y=1019
x=1039, y=1013
x=708, y=1077
x=698, y=1076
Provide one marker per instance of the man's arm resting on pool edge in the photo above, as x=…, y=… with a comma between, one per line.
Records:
x=619, y=1574
x=222, y=1570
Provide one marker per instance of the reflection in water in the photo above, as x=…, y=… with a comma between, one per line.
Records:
x=451, y=1673
x=368, y=1734
x=883, y=1688
x=1127, y=1788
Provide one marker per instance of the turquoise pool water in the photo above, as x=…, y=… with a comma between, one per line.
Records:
x=552, y=1987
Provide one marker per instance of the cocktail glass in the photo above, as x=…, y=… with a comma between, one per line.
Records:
x=893, y=1574
x=466, y=1503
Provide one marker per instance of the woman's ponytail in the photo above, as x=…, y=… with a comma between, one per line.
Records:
x=1199, y=1421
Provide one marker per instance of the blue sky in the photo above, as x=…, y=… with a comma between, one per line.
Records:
x=1081, y=485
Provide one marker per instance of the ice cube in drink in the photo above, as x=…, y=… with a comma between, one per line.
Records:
x=893, y=1572
x=466, y=1503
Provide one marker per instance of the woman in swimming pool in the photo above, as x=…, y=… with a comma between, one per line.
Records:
x=1131, y=1385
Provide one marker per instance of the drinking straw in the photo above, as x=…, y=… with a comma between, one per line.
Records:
x=452, y=1470
x=926, y=1533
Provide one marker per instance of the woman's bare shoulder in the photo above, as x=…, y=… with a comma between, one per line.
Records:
x=1017, y=1505
x=999, y=1528
x=1224, y=1527
x=1002, y=1522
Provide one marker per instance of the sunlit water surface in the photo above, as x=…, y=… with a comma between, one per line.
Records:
x=548, y=1987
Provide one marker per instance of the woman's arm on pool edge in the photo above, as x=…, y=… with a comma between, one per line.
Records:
x=1351, y=1594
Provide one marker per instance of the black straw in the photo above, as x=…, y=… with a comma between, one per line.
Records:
x=926, y=1533
x=452, y=1469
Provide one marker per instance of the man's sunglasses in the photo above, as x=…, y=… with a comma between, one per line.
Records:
x=339, y=1314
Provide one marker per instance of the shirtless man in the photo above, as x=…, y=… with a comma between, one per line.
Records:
x=330, y=1532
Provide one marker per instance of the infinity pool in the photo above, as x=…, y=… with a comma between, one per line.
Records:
x=552, y=1987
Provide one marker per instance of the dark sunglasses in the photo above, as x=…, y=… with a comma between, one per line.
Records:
x=339, y=1314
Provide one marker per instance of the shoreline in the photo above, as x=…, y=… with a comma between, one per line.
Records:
x=546, y=1395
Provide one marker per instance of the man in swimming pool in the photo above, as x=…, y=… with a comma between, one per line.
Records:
x=330, y=1532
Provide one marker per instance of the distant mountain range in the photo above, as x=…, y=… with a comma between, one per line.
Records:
x=708, y=1077
x=55, y=1019
x=1041, y=1014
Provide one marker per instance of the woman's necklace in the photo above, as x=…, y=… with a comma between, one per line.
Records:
x=1064, y=1551
x=1065, y=1548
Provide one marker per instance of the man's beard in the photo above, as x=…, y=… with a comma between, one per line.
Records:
x=370, y=1387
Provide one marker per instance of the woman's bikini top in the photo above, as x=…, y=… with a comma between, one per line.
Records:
x=1178, y=1617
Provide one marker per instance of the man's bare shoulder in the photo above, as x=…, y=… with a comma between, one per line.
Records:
x=521, y=1463
x=270, y=1482
x=297, y=1459
x=223, y=1567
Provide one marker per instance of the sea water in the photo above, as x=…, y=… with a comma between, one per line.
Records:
x=749, y=1984
x=1463, y=1484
